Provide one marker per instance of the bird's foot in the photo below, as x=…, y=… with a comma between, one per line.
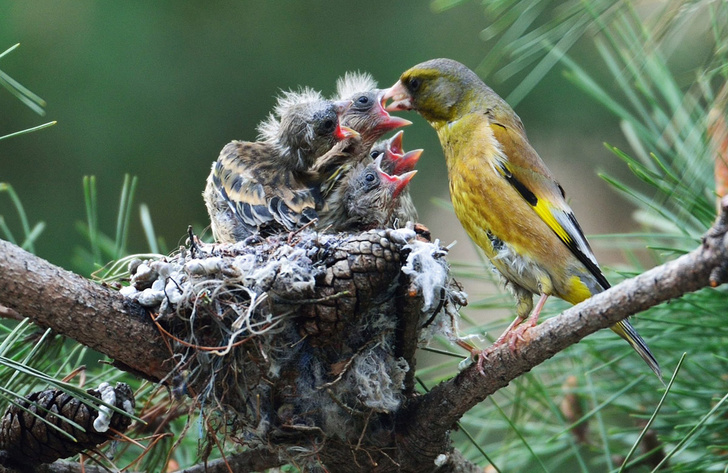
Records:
x=517, y=335
x=512, y=337
x=504, y=338
x=483, y=355
x=476, y=354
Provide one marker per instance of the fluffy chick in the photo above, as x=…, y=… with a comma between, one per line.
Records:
x=366, y=114
x=266, y=187
x=365, y=199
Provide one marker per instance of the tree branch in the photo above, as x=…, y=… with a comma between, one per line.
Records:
x=89, y=313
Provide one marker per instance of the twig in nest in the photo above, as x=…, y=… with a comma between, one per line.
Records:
x=364, y=431
x=332, y=297
x=299, y=230
x=437, y=309
x=194, y=247
x=303, y=428
x=347, y=365
x=215, y=350
x=350, y=410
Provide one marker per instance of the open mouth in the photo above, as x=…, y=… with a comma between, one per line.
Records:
x=389, y=122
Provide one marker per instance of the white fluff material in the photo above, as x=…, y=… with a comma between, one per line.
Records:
x=354, y=83
x=108, y=395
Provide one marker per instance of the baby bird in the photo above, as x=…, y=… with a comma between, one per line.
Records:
x=365, y=199
x=505, y=196
x=265, y=187
x=395, y=161
x=366, y=114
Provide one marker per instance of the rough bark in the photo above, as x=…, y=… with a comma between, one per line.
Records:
x=89, y=313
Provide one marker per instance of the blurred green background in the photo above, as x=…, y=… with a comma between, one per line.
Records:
x=155, y=89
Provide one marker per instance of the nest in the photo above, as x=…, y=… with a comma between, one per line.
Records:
x=300, y=336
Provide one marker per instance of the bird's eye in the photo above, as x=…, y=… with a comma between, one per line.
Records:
x=363, y=100
x=415, y=84
x=375, y=154
x=370, y=177
x=329, y=125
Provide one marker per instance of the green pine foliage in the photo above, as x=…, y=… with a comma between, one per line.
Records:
x=33, y=360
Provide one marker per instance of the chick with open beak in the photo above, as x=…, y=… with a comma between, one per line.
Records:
x=365, y=199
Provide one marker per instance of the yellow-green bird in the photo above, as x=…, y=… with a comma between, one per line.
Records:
x=506, y=199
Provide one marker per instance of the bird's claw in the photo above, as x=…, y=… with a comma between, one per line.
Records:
x=482, y=356
x=511, y=338
x=516, y=336
x=485, y=353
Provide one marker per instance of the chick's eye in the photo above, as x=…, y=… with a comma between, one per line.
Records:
x=415, y=83
x=363, y=100
x=370, y=177
x=329, y=125
x=375, y=154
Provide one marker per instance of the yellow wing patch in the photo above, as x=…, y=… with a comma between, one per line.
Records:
x=543, y=209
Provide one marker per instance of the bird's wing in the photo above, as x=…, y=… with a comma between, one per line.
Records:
x=291, y=204
x=334, y=179
x=258, y=191
x=525, y=171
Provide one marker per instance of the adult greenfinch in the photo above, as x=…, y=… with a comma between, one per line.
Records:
x=266, y=187
x=506, y=199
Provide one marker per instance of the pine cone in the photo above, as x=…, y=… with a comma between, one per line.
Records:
x=362, y=269
x=28, y=440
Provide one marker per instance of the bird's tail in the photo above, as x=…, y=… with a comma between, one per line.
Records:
x=625, y=330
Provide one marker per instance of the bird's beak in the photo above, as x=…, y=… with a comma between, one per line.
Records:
x=341, y=106
x=344, y=132
x=403, y=162
x=401, y=183
x=388, y=122
x=395, y=183
x=401, y=98
x=394, y=145
x=378, y=162
x=407, y=161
